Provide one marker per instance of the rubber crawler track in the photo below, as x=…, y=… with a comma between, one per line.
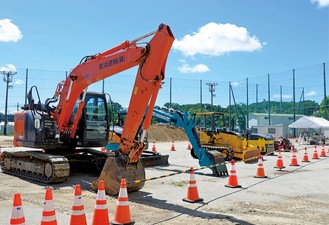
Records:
x=59, y=165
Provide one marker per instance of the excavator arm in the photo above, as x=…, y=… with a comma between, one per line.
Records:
x=185, y=121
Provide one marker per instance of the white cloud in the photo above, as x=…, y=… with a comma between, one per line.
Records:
x=311, y=93
x=199, y=68
x=216, y=39
x=283, y=96
x=19, y=81
x=8, y=67
x=235, y=84
x=321, y=3
x=9, y=31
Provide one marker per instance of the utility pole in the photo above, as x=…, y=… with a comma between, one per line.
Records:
x=8, y=78
x=212, y=91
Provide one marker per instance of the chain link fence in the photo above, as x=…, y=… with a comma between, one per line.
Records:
x=295, y=85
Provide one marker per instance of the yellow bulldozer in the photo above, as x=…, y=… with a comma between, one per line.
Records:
x=265, y=143
x=214, y=135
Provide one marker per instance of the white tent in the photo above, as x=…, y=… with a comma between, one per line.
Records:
x=310, y=122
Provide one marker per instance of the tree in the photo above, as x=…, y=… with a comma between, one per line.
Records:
x=323, y=109
x=114, y=109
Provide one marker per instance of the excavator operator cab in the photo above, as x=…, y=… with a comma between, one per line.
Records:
x=210, y=122
x=93, y=125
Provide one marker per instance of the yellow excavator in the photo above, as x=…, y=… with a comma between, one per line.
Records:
x=214, y=135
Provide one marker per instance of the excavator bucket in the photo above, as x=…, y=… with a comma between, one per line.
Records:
x=220, y=167
x=114, y=170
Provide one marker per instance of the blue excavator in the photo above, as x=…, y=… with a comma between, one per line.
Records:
x=208, y=158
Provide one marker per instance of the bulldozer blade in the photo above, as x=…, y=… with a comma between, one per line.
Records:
x=248, y=155
x=149, y=159
x=219, y=160
x=114, y=170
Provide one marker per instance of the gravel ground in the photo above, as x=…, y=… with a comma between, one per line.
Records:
x=295, y=195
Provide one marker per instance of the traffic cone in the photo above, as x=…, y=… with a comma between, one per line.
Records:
x=173, y=147
x=315, y=153
x=260, y=172
x=279, y=161
x=101, y=214
x=297, y=142
x=323, y=152
x=48, y=213
x=122, y=211
x=305, y=156
x=17, y=214
x=293, y=158
x=192, y=190
x=153, y=148
x=232, y=179
x=78, y=216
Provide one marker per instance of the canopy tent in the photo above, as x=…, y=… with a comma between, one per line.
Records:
x=310, y=122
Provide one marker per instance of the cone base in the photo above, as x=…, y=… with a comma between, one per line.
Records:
x=293, y=164
x=79, y=221
x=192, y=201
x=231, y=186
x=279, y=167
x=114, y=223
x=260, y=176
x=306, y=161
x=316, y=158
x=323, y=156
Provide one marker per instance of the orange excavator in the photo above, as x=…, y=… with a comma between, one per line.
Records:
x=79, y=121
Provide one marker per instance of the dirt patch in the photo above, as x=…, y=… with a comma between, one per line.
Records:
x=166, y=133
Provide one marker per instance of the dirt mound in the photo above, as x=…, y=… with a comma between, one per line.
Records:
x=166, y=133
x=156, y=132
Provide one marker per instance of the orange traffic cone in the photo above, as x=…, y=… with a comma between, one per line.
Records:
x=315, y=153
x=293, y=158
x=323, y=152
x=260, y=173
x=232, y=179
x=101, y=214
x=153, y=148
x=279, y=161
x=173, y=147
x=122, y=211
x=192, y=190
x=305, y=156
x=17, y=214
x=48, y=213
x=189, y=146
x=78, y=216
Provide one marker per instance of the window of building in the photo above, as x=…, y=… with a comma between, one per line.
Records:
x=271, y=130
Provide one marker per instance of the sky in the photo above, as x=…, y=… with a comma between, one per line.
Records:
x=215, y=41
